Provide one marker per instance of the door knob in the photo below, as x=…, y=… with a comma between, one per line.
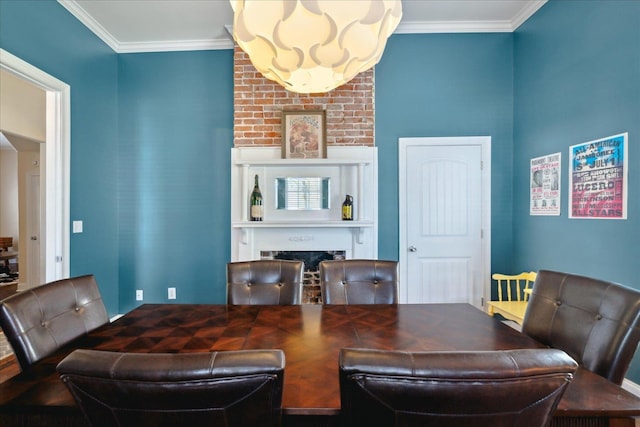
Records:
x=34, y=237
x=413, y=249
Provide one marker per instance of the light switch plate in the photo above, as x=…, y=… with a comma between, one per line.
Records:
x=77, y=226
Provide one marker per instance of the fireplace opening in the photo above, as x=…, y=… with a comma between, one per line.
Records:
x=311, y=281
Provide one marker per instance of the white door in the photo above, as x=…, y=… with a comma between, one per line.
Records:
x=444, y=219
x=33, y=252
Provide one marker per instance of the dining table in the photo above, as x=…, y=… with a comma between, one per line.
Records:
x=5, y=256
x=311, y=336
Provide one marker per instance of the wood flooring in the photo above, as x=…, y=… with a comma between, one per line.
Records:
x=8, y=367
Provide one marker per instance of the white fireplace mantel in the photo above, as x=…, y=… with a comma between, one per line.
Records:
x=353, y=170
x=359, y=226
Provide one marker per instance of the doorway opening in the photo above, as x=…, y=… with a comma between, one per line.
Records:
x=54, y=180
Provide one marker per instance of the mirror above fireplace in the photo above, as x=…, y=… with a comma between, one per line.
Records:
x=302, y=193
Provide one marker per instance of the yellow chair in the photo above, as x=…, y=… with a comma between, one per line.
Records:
x=518, y=289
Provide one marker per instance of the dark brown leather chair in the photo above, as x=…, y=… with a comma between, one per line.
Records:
x=596, y=322
x=359, y=281
x=274, y=282
x=228, y=388
x=485, y=388
x=40, y=320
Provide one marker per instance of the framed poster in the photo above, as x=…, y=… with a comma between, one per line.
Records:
x=544, y=196
x=304, y=134
x=598, y=178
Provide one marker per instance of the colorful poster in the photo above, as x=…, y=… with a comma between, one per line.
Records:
x=598, y=178
x=545, y=185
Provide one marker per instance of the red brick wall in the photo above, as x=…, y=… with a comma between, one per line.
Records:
x=258, y=104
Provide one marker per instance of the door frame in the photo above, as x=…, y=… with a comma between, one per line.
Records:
x=484, y=142
x=54, y=180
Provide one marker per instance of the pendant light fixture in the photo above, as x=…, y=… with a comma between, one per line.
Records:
x=314, y=46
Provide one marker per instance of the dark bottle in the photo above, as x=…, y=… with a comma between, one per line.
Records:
x=257, y=209
x=347, y=208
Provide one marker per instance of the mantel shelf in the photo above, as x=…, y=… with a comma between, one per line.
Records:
x=302, y=162
x=244, y=226
x=302, y=224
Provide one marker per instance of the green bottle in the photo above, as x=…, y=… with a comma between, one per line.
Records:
x=257, y=209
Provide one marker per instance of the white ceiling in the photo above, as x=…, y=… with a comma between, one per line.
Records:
x=170, y=25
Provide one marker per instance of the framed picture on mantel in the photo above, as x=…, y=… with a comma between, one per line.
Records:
x=304, y=134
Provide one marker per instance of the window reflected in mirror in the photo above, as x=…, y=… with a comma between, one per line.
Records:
x=302, y=194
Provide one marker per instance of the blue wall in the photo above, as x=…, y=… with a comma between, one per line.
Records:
x=446, y=85
x=176, y=120
x=44, y=34
x=577, y=78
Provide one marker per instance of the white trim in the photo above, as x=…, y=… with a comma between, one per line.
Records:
x=139, y=47
x=485, y=146
x=423, y=27
x=506, y=26
x=174, y=46
x=56, y=163
x=527, y=13
x=631, y=387
x=454, y=27
x=76, y=10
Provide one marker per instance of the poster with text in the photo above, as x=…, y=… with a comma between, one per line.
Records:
x=545, y=185
x=598, y=178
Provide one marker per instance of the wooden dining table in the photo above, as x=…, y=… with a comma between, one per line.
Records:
x=311, y=337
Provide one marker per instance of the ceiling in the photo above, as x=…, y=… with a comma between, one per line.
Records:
x=172, y=25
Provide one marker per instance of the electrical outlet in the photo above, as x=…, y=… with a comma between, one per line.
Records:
x=172, y=293
x=139, y=295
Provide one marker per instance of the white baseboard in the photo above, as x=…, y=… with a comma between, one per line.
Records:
x=631, y=387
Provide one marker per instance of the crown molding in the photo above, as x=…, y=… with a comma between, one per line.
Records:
x=77, y=11
x=427, y=27
x=424, y=27
x=173, y=46
x=139, y=47
x=527, y=13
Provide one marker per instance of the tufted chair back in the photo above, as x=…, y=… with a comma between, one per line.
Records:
x=452, y=388
x=224, y=388
x=40, y=320
x=594, y=321
x=359, y=281
x=275, y=282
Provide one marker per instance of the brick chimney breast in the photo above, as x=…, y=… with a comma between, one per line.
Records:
x=258, y=104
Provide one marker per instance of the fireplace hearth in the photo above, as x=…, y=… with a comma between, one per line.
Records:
x=311, y=293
